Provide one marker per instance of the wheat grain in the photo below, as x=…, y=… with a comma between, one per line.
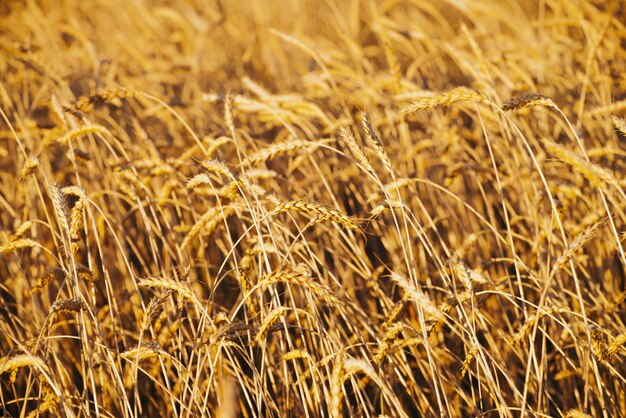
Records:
x=464, y=274
x=228, y=113
x=244, y=276
x=453, y=301
x=230, y=190
x=165, y=192
x=336, y=384
x=251, y=302
x=57, y=110
x=213, y=144
x=392, y=61
x=124, y=181
x=258, y=174
x=78, y=154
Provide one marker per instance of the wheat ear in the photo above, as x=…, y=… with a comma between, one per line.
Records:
x=456, y=95
x=528, y=100
x=315, y=210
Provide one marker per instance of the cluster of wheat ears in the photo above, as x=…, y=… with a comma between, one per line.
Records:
x=309, y=208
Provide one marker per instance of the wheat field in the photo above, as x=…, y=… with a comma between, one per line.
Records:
x=299, y=208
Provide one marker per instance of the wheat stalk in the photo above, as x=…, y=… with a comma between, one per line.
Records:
x=391, y=189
